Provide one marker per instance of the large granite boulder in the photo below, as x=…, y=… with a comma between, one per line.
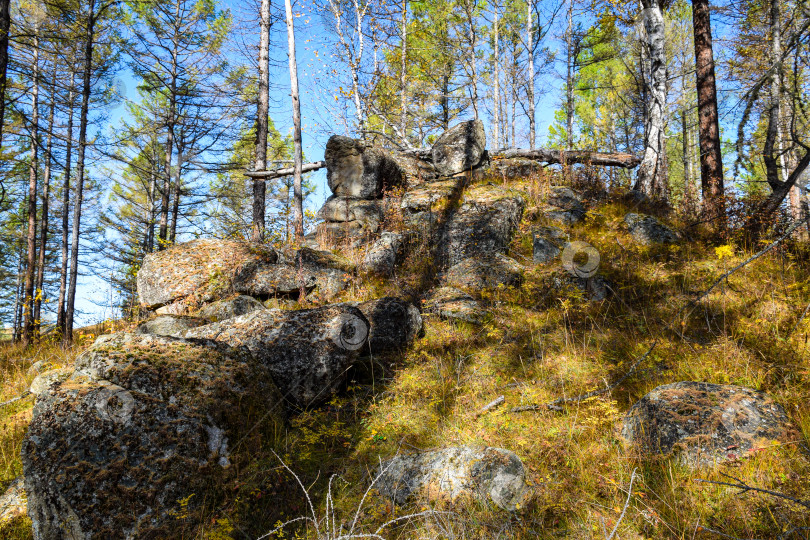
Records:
x=395, y=324
x=515, y=168
x=460, y=148
x=228, y=308
x=648, y=230
x=312, y=269
x=454, y=474
x=348, y=209
x=169, y=325
x=197, y=271
x=482, y=225
x=144, y=432
x=307, y=352
x=356, y=170
x=455, y=304
x=485, y=272
x=705, y=423
x=338, y=234
x=382, y=256
x=416, y=169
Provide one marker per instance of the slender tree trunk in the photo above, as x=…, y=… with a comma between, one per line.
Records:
x=77, y=208
x=497, y=78
x=688, y=185
x=711, y=159
x=63, y=271
x=569, y=79
x=149, y=244
x=530, y=81
x=18, y=295
x=262, y=112
x=651, y=178
x=31, y=263
x=178, y=178
x=472, y=37
x=46, y=188
x=5, y=25
x=298, y=199
x=403, y=75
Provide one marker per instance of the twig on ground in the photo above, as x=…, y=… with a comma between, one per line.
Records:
x=626, y=504
x=491, y=405
x=744, y=488
x=15, y=399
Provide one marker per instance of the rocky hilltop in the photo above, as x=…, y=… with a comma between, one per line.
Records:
x=154, y=430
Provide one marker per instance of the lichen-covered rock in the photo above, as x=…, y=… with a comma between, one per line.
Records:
x=13, y=503
x=349, y=209
x=452, y=303
x=485, y=272
x=648, y=230
x=456, y=473
x=359, y=171
x=706, y=423
x=43, y=382
x=514, y=168
x=594, y=289
x=340, y=234
x=319, y=270
x=197, y=271
x=423, y=205
x=548, y=243
x=381, y=257
x=395, y=324
x=142, y=433
x=416, y=170
x=482, y=225
x=169, y=325
x=460, y=148
x=228, y=308
x=565, y=205
x=306, y=351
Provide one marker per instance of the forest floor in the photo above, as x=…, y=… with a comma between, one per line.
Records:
x=537, y=345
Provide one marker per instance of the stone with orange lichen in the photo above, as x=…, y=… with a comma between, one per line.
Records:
x=703, y=423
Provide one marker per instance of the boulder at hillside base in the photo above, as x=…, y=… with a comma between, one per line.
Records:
x=169, y=325
x=382, y=256
x=228, y=308
x=307, y=351
x=452, y=474
x=460, y=148
x=144, y=423
x=485, y=272
x=705, y=423
x=395, y=324
x=648, y=230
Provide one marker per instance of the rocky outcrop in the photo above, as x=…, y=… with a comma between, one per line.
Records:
x=356, y=170
x=548, y=243
x=229, y=308
x=453, y=474
x=44, y=381
x=484, y=272
x=305, y=267
x=144, y=423
x=307, y=352
x=424, y=205
x=705, y=423
x=13, y=503
x=460, y=148
x=482, y=225
x=564, y=205
x=342, y=209
x=382, y=256
x=395, y=324
x=455, y=304
x=197, y=271
x=648, y=230
x=169, y=325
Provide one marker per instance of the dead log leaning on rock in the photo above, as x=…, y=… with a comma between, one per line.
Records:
x=546, y=155
x=278, y=173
